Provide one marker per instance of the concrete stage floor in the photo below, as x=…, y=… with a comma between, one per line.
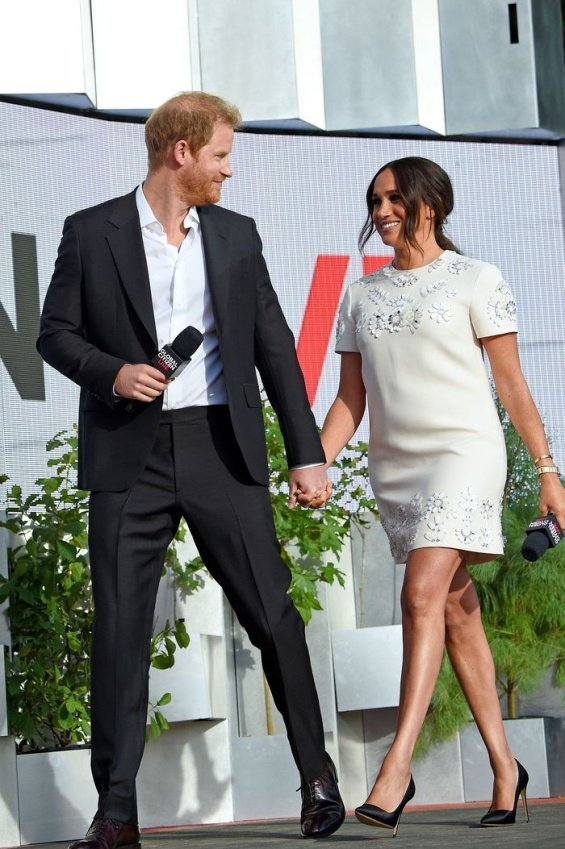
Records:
x=424, y=828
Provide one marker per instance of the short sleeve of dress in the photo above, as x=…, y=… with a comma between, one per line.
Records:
x=493, y=308
x=345, y=336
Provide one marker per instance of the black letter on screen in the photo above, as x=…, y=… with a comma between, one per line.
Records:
x=17, y=347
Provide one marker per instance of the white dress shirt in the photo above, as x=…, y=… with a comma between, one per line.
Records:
x=181, y=297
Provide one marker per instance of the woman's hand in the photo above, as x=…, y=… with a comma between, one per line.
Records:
x=552, y=497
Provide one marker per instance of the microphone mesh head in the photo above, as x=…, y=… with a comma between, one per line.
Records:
x=186, y=343
x=534, y=546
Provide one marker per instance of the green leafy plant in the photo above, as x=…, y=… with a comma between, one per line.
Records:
x=521, y=603
x=163, y=647
x=50, y=610
x=311, y=540
x=48, y=589
x=48, y=585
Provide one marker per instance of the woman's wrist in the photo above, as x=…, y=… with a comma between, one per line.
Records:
x=548, y=470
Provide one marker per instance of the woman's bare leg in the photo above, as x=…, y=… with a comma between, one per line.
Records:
x=428, y=577
x=473, y=665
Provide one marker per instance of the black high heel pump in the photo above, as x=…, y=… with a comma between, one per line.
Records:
x=373, y=815
x=503, y=817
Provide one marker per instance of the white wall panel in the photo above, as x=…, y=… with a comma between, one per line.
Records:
x=142, y=54
x=247, y=54
x=46, y=48
x=368, y=64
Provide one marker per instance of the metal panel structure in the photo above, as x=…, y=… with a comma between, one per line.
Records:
x=246, y=52
x=501, y=65
x=368, y=64
x=424, y=66
x=367, y=665
x=46, y=50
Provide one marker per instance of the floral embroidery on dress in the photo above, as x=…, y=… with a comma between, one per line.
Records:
x=486, y=508
x=434, y=532
x=467, y=501
x=434, y=286
x=437, y=502
x=437, y=520
x=413, y=318
x=437, y=263
x=360, y=321
x=369, y=278
x=376, y=324
x=440, y=312
x=502, y=306
x=400, y=279
x=401, y=526
x=377, y=295
x=456, y=266
x=339, y=328
x=403, y=314
x=484, y=536
x=465, y=535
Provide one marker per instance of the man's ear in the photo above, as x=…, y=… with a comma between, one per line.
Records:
x=181, y=151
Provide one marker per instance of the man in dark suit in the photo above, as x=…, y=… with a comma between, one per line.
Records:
x=130, y=274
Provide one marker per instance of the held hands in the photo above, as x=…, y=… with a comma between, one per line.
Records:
x=309, y=487
x=140, y=382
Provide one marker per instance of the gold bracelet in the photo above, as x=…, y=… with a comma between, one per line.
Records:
x=543, y=457
x=543, y=470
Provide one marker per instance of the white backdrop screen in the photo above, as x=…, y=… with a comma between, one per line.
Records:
x=307, y=196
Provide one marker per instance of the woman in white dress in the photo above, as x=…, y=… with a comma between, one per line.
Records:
x=412, y=338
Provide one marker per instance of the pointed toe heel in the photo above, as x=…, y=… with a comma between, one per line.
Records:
x=503, y=817
x=373, y=815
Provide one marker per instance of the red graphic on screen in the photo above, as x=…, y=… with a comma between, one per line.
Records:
x=319, y=316
x=320, y=313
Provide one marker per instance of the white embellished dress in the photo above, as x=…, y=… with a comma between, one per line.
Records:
x=437, y=458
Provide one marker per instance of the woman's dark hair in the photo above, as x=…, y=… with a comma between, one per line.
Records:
x=417, y=179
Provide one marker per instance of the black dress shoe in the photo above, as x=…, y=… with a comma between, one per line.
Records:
x=322, y=809
x=502, y=817
x=107, y=833
x=373, y=815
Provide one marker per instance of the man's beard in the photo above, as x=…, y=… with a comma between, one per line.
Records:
x=196, y=188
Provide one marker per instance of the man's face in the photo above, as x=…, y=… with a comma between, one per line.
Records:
x=201, y=176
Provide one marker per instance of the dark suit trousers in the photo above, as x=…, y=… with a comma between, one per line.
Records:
x=195, y=471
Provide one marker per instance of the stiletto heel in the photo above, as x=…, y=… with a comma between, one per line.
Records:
x=373, y=815
x=502, y=817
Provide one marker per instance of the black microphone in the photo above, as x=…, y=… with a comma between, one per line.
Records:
x=542, y=533
x=172, y=359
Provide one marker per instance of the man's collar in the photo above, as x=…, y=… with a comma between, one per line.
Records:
x=147, y=216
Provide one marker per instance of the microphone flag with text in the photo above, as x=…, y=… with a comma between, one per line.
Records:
x=172, y=359
x=542, y=533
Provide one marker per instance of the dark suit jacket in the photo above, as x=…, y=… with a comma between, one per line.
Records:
x=98, y=315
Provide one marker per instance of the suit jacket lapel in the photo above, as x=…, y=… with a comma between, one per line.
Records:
x=126, y=243
x=217, y=249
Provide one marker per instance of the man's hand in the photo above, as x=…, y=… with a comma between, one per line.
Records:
x=140, y=382
x=309, y=487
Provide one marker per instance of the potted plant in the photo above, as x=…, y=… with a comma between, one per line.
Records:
x=50, y=610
